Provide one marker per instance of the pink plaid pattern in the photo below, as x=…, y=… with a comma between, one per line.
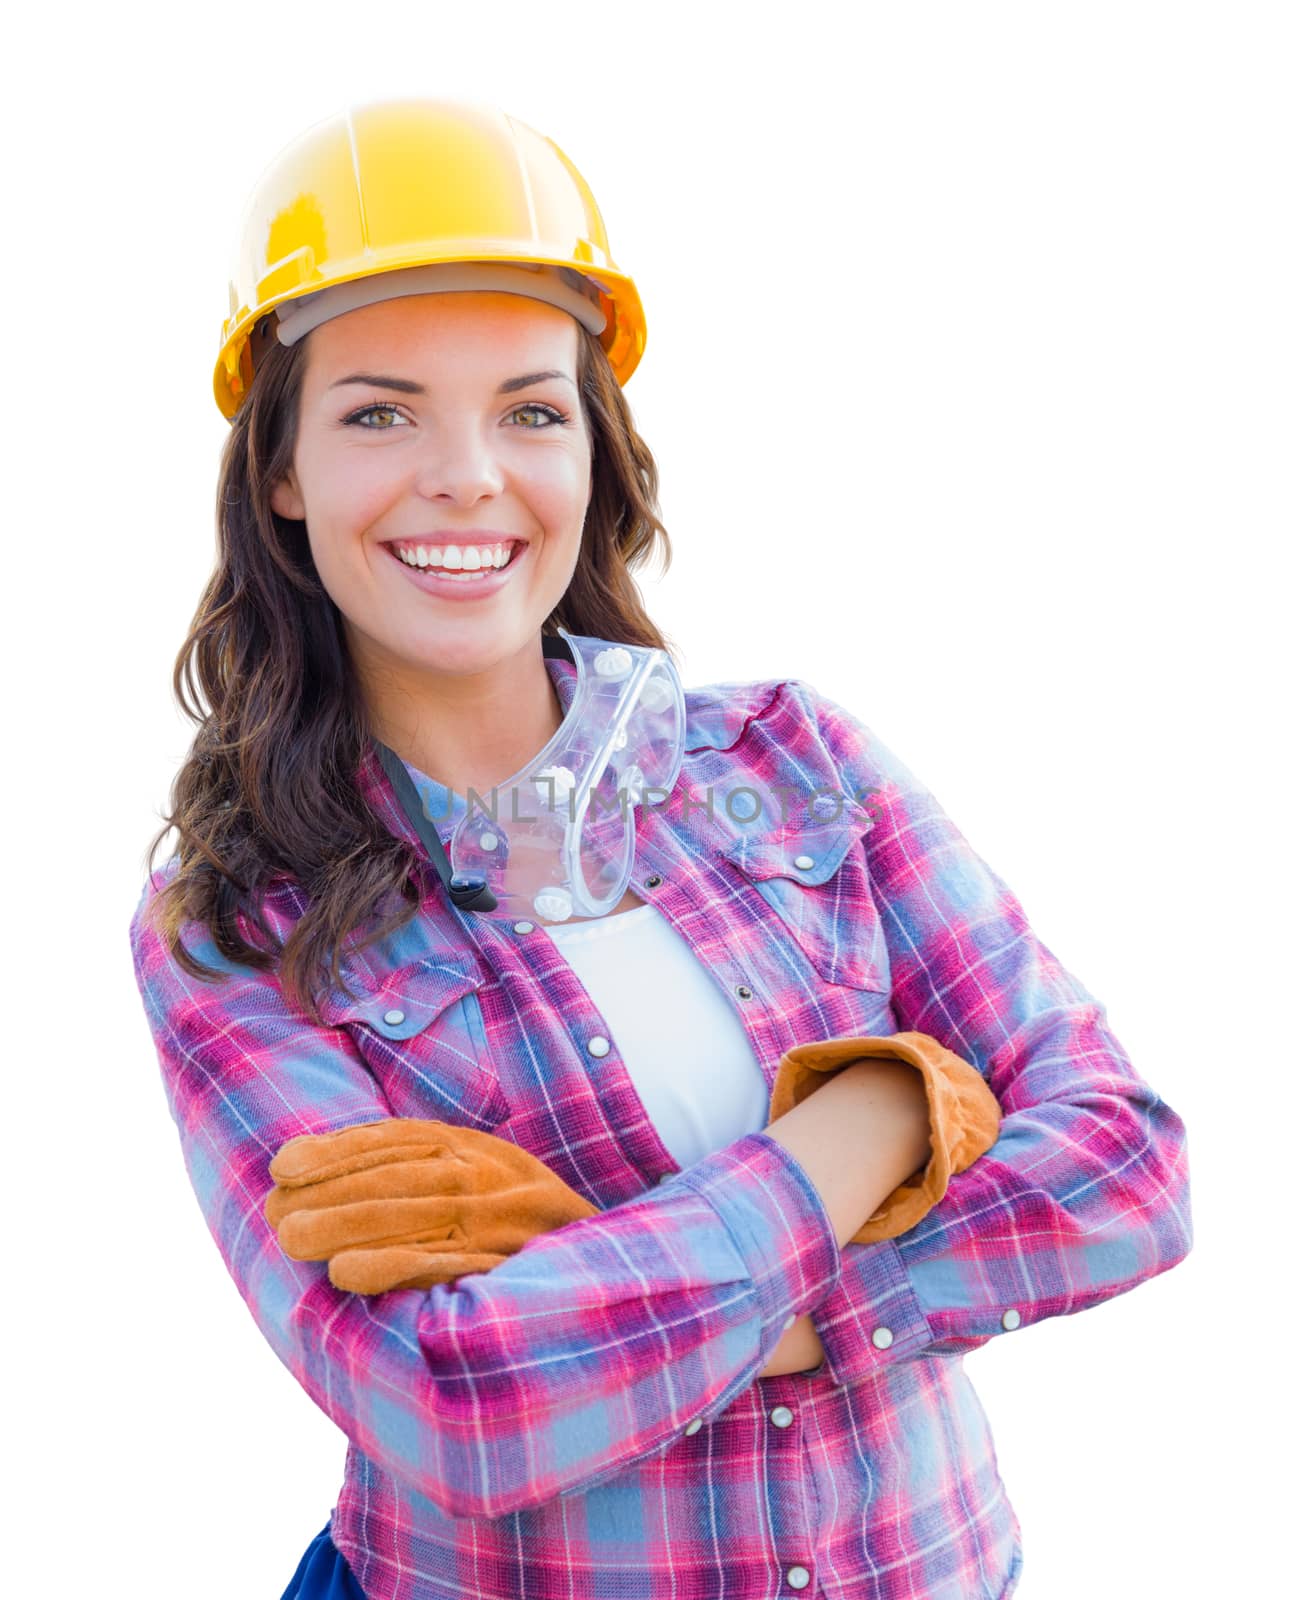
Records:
x=586, y=1420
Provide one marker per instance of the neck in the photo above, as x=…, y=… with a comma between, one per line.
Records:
x=466, y=730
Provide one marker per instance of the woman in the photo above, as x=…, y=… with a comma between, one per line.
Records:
x=627, y=1182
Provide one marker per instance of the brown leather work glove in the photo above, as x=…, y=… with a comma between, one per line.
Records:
x=405, y=1203
x=963, y=1114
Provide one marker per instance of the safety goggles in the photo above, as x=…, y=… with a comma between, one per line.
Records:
x=556, y=841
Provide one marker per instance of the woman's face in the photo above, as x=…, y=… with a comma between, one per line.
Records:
x=434, y=429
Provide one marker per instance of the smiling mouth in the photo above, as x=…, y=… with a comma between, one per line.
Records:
x=452, y=560
x=446, y=569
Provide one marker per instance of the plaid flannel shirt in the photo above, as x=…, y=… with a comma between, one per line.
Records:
x=587, y=1419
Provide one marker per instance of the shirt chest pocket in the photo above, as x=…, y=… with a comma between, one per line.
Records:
x=419, y=1028
x=817, y=881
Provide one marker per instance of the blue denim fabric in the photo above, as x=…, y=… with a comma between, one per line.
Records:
x=322, y=1574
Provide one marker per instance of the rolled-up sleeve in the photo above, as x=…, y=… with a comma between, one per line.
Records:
x=1085, y=1193
x=591, y=1347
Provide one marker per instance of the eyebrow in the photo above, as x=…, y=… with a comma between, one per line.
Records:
x=376, y=380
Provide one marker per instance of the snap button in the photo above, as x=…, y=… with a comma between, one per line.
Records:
x=653, y=880
x=882, y=1337
x=804, y=862
x=781, y=1416
x=394, y=1019
x=598, y=1046
x=694, y=1425
x=789, y=1320
x=1010, y=1319
x=743, y=992
x=523, y=927
x=798, y=1577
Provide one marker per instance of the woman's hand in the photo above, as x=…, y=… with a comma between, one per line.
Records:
x=404, y=1203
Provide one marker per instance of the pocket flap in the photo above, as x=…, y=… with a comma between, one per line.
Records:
x=807, y=855
x=401, y=1001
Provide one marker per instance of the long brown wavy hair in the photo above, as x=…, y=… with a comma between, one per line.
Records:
x=267, y=792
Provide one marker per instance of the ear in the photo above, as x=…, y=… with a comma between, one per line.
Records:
x=286, y=498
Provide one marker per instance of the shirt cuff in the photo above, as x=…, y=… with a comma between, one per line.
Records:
x=872, y=1315
x=777, y=1220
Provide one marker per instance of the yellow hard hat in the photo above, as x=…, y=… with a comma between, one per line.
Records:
x=420, y=184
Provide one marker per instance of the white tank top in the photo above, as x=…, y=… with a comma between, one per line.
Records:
x=685, y=1050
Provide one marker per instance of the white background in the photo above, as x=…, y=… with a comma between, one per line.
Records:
x=970, y=375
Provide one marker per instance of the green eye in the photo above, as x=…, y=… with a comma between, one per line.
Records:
x=553, y=417
x=368, y=417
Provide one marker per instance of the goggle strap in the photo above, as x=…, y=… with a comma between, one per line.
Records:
x=467, y=892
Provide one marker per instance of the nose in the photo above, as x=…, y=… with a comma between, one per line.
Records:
x=459, y=464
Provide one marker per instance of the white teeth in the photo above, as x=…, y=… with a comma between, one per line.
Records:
x=471, y=558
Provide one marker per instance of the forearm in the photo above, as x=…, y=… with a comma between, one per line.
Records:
x=798, y=1351
x=858, y=1137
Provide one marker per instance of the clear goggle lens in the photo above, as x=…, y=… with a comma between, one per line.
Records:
x=557, y=840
